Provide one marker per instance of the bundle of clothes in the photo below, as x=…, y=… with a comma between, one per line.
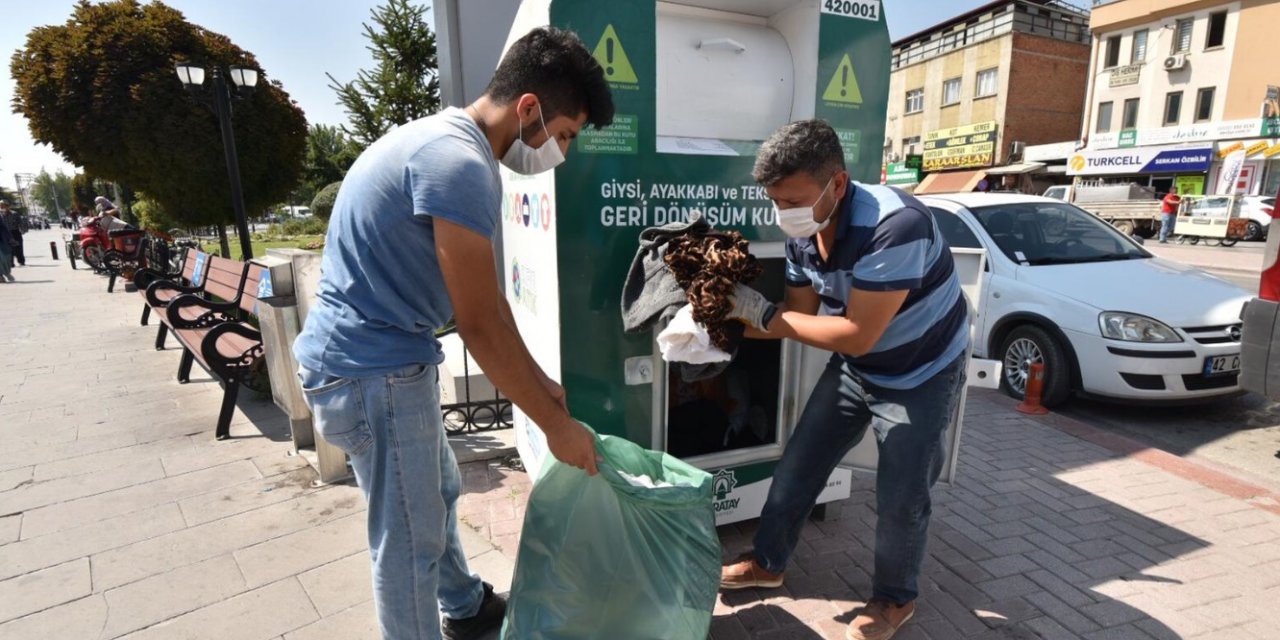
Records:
x=683, y=277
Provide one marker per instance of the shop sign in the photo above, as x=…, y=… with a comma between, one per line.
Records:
x=960, y=147
x=1203, y=132
x=898, y=173
x=1126, y=75
x=1271, y=113
x=1190, y=185
x=1128, y=138
x=1272, y=151
x=1140, y=160
x=1226, y=151
x=1256, y=148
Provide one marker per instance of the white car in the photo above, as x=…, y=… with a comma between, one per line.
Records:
x=1107, y=318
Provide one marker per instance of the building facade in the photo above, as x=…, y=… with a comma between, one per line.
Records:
x=1185, y=93
x=961, y=92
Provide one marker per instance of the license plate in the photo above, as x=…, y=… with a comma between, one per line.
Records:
x=1221, y=365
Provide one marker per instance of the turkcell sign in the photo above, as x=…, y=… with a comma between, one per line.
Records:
x=1140, y=160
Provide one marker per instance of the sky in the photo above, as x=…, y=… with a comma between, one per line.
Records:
x=296, y=42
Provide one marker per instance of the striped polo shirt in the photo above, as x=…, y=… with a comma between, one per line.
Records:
x=887, y=241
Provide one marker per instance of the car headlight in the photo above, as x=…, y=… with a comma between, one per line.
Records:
x=1135, y=328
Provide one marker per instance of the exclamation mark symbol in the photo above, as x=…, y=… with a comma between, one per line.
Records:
x=608, y=55
x=844, y=80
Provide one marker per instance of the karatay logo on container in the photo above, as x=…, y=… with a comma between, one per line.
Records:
x=723, y=484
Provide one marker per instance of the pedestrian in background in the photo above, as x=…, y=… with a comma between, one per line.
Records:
x=6, y=253
x=1169, y=214
x=16, y=226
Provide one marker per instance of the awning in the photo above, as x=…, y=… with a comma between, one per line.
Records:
x=1015, y=169
x=951, y=182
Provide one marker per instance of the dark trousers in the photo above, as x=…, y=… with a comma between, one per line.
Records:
x=18, y=255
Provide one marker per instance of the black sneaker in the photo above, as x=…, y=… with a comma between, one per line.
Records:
x=488, y=619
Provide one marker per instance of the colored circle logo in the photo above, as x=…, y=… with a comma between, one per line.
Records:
x=524, y=209
x=1077, y=163
x=515, y=279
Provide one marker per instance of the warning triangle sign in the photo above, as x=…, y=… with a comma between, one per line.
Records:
x=609, y=53
x=844, y=84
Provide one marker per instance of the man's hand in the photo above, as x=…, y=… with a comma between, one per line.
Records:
x=751, y=308
x=572, y=444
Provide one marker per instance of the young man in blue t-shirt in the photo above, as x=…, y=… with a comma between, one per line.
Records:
x=870, y=278
x=410, y=245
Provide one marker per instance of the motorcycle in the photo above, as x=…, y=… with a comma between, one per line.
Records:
x=92, y=243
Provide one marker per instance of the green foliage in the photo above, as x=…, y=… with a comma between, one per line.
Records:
x=83, y=192
x=15, y=202
x=329, y=154
x=52, y=192
x=403, y=86
x=101, y=89
x=305, y=227
x=322, y=205
x=152, y=215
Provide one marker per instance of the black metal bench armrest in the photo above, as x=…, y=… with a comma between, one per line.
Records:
x=225, y=366
x=144, y=277
x=215, y=313
x=153, y=291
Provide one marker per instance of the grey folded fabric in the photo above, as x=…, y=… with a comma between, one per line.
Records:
x=651, y=288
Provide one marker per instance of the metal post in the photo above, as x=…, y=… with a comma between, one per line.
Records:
x=222, y=107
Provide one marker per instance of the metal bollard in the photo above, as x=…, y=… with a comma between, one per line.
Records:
x=53, y=248
x=1035, y=388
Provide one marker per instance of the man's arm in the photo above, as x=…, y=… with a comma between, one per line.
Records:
x=467, y=263
x=854, y=333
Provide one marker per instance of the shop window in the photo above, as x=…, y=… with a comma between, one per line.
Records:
x=1182, y=35
x=1104, y=116
x=1217, y=30
x=987, y=83
x=1204, y=104
x=1172, y=108
x=1113, y=52
x=915, y=101
x=1130, y=114
x=1139, y=47
x=951, y=92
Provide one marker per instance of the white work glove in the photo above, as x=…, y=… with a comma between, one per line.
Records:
x=751, y=308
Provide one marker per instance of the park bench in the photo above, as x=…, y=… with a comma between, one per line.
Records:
x=175, y=283
x=213, y=329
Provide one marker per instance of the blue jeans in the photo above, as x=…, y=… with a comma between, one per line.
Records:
x=1167, y=221
x=909, y=425
x=391, y=428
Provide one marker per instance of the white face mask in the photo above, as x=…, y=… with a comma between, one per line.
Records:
x=798, y=222
x=523, y=159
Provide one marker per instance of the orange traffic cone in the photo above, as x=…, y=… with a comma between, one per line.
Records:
x=1035, y=386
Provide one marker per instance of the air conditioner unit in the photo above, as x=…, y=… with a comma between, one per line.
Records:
x=1016, y=150
x=1175, y=62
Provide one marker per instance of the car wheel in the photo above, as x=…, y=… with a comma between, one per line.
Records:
x=1253, y=231
x=1029, y=344
x=1124, y=226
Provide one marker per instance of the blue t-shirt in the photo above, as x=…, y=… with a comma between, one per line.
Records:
x=381, y=295
x=887, y=240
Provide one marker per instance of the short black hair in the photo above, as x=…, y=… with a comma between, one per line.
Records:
x=554, y=64
x=811, y=146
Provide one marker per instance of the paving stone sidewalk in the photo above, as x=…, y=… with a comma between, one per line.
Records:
x=121, y=517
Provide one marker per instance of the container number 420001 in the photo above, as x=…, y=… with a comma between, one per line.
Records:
x=863, y=9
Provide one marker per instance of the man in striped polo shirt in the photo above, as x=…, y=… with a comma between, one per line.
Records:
x=871, y=279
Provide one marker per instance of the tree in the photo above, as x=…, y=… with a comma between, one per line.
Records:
x=101, y=89
x=322, y=206
x=329, y=155
x=403, y=85
x=83, y=192
x=52, y=192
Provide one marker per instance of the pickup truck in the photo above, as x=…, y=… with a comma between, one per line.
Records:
x=1131, y=209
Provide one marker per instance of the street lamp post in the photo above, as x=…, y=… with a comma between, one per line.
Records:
x=245, y=79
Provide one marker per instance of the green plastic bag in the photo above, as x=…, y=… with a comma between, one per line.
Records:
x=629, y=554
